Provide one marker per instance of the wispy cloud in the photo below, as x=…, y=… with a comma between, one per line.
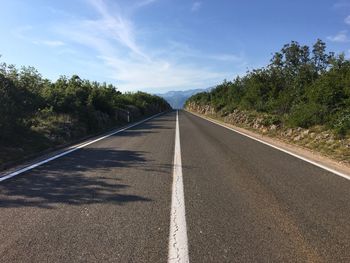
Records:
x=347, y=20
x=52, y=43
x=341, y=4
x=227, y=57
x=21, y=32
x=145, y=3
x=116, y=26
x=24, y=31
x=341, y=37
x=196, y=6
x=113, y=39
x=159, y=74
x=182, y=50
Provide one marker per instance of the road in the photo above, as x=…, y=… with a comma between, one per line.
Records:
x=121, y=200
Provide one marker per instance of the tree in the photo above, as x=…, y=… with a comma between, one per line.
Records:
x=320, y=58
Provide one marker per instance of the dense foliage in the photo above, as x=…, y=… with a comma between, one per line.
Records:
x=301, y=86
x=36, y=111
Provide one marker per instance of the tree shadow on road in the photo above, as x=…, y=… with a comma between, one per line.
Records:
x=152, y=126
x=83, y=177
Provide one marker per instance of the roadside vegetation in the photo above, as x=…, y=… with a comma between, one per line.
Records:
x=305, y=88
x=37, y=114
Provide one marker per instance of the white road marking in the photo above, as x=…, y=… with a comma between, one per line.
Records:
x=178, y=248
x=71, y=149
x=278, y=148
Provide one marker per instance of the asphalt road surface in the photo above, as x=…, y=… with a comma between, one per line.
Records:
x=121, y=200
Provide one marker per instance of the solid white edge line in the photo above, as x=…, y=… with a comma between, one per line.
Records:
x=72, y=149
x=178, y=244
x=276, y=147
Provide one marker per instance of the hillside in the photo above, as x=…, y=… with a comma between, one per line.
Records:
x=177, y=99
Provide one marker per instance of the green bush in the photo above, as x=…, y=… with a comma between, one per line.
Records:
x=301, y=86
x=271, y=120
x=342, y=123
x=62, y=110
x=306, y=115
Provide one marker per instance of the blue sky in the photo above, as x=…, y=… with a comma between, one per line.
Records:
x=161, y=45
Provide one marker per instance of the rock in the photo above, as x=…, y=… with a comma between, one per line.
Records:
x=326, y=135
x=289, y=132
x=259, y=120
x=305, y=132
x=319, y=137
x=331, y=140
x=273, y=127
x=297, y=138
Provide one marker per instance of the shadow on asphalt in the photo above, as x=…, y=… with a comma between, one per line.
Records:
x=147, y=128
x=83, y=177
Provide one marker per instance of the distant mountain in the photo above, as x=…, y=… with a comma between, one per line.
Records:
x=177, y=99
